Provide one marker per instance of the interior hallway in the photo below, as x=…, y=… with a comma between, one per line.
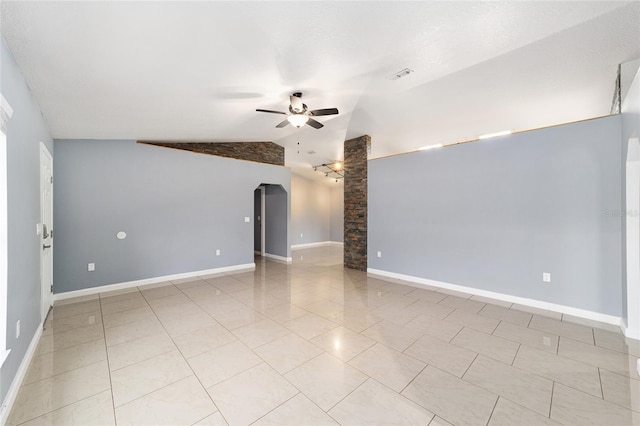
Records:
x=314, y=343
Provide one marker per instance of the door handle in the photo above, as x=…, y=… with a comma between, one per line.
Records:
x=45, y=246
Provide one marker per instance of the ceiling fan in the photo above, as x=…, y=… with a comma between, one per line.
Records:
x=299, y=113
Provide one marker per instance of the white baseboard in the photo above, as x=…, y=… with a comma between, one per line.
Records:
x=594, y=316
x=630, y=332
x=318, y=244
x=147, y=281
x=278, y=258
x=12, y=394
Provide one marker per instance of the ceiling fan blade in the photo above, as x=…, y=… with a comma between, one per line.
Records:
x=271, y=111
x=296, y=103
x=325, y=111
x=315, y=124
x=282, y=124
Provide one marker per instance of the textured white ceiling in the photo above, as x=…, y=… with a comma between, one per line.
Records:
x=197, y=70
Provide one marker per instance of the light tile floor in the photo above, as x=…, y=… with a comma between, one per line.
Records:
x=314, y=343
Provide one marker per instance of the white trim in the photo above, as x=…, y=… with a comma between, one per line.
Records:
x=10, y=399
x=582, y=313
x=631, y=333
x=257, y=252
x=278, y=258
x=6, y=108
x=147, y=281
x=4, y=354
x=319, y=244
x=5, y=113
x=46, y=288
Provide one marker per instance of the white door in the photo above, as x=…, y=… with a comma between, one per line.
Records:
x=46, y=233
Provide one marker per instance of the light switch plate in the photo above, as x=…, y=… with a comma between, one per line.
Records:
x=546, y=277
x=247, y=219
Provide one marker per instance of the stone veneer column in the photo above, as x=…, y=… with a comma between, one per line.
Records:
x=355, y=202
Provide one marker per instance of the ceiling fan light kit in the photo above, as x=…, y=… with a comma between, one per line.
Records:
x=299, y=114
x=298, y=120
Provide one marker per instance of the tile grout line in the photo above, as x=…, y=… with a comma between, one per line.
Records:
x=600, y=381
x=106, y=350
x=553, y=388
x=177, y=348
x=415, y=377
x=495, y=404
x=516, y=355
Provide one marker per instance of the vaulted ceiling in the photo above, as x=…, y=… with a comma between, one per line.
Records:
x=196, y=71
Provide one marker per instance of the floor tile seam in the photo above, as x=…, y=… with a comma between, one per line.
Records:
x=617, y=351
x=506, y=397
x=106, y=349
x=298, y=366
x=55, y=314
x=270, y=341
x=103, y=304
x=606, y=368
x=594, y=396
x=555, y=380
x=419, y=403
x=521, y=343
x=560, y=335
x=63, y=372
x=128, y=323
x=68, y=347
x=142, y=360
x=126, y=310
x=495, y=404
x=53, y=326
x=276, y=407
x=353, y=390
x=135, y=338
x=516, y=355
x=227, y=378
x=186, y=361
x=153, y=391
x=414, y=378
x=65, y=406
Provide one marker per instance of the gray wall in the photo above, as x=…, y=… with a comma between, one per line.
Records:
x=337, y=214
x=630, y=129
x=276, y=220
x=496, y=214
x=177, y=208
x=26, y=129
x=310, y=211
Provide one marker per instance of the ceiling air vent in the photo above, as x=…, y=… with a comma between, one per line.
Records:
x=402, y=73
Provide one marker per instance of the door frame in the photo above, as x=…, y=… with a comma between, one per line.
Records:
x=632, y=204
x=46, y=288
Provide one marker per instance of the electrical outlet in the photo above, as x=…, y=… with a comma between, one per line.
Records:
x=546, y=277
x=18, y=329
x=218, y=252
x=247, y=219
x=379, y=254
x=91, y=267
